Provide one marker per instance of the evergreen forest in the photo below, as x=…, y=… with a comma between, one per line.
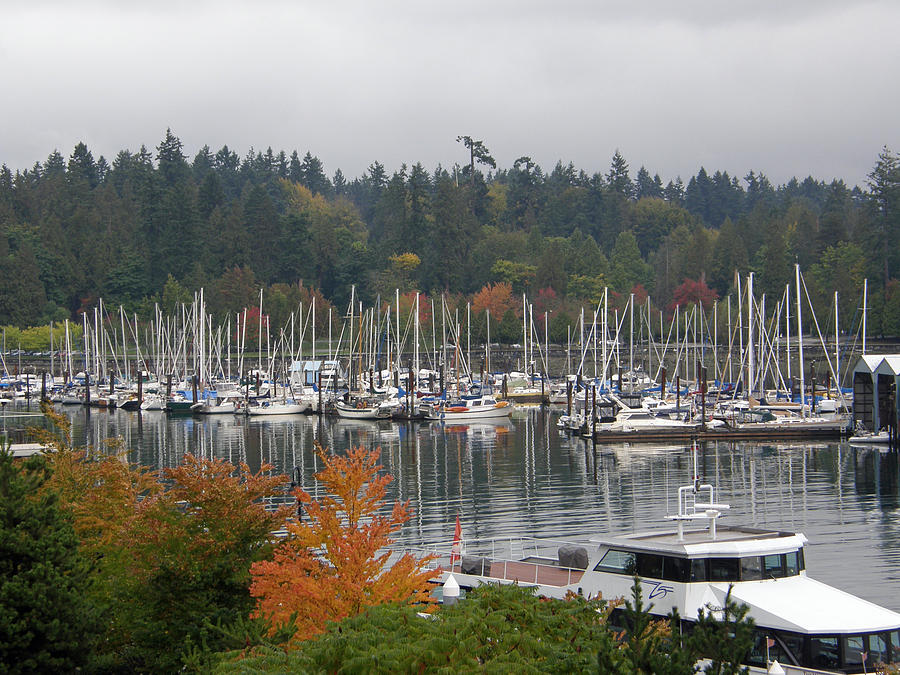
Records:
x=153, y=226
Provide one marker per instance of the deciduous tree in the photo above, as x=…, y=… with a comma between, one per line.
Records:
x=335, y=562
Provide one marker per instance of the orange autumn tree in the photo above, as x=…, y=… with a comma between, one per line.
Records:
x=99, y=490
x=188, y=552
x=335, y=563
x=497, y=298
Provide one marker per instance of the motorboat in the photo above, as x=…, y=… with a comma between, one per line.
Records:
x=862, y=436
x=467, y=408
x=153, y=402
x=357, y=408
x=693, y=564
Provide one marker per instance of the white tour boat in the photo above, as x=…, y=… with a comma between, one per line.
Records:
x=806, y=624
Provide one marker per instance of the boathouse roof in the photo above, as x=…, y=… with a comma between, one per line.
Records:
x=868, y=363
x=890, y=365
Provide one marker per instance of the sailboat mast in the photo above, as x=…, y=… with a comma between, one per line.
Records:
x=787, y=328
x=865, y=297
x=837, y=350
x=751, y=355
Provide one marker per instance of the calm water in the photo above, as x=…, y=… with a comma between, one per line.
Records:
x=524, y=477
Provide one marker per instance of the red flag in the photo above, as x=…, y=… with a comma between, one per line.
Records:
x=457, y=543
x=864, y=655
x=770, y=642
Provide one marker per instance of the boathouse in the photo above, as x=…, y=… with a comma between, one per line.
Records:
x=307, y=373
x=875, y=382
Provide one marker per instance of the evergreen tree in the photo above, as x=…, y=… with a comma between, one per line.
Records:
x=618, y=179
x=725, y=641
x=698, y=195
x=729, y=255
x=626, y=267
x=833, y=221
x=83, y=167
x=674, y=192
x=262, y=225
x=173, y=166
x=339, y=182
x=645, y=186
x=295, y=168
x=477, y=153
x=312, y=175
x=202, y=164
x=46, y=624
x=884, y=187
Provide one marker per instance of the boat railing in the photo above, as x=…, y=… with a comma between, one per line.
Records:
x=521, y=559
x=789, y=669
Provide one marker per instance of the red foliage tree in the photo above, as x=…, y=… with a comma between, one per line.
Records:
x=693, y=292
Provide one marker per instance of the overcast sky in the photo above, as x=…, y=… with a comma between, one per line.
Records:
x=787, y=87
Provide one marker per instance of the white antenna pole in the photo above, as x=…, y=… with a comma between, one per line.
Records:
x=800, y=342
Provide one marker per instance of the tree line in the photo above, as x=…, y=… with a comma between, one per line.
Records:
x=153, y=226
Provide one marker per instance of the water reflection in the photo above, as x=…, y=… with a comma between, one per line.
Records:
x=525, y=477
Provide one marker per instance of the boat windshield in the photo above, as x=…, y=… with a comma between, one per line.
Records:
x=688, y=570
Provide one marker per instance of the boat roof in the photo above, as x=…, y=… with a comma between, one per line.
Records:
x=734, y=540
x=801, y=604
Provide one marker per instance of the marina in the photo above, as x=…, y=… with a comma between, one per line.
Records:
x=523, y=477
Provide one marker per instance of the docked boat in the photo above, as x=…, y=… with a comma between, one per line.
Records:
x=153, y=402
x=743, y=420
x=357, y=408
x=862, y=436
x=800, y=622
x=217, y=405
x=266, y=406
x=179, y=404
x=468, y=408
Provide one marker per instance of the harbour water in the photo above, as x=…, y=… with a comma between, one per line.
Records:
x=524, y=477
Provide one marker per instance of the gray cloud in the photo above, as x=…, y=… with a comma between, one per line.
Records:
x=792, y=88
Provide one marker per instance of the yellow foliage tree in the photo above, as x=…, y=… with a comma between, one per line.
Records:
x=336, y=563
x=405, y=262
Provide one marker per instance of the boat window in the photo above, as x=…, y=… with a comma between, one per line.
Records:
x=619, y=562
x=853, y=650
x=877, y=649
x=757, y=655
x=650, y=565
x=823, y=652
x=794, y=644
x=723, y=569
x=677, y=569
x=750, y=569
x=800, y=560
x=895, y=645
x=773, y=566
x=792, y=564
x=698, y=569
